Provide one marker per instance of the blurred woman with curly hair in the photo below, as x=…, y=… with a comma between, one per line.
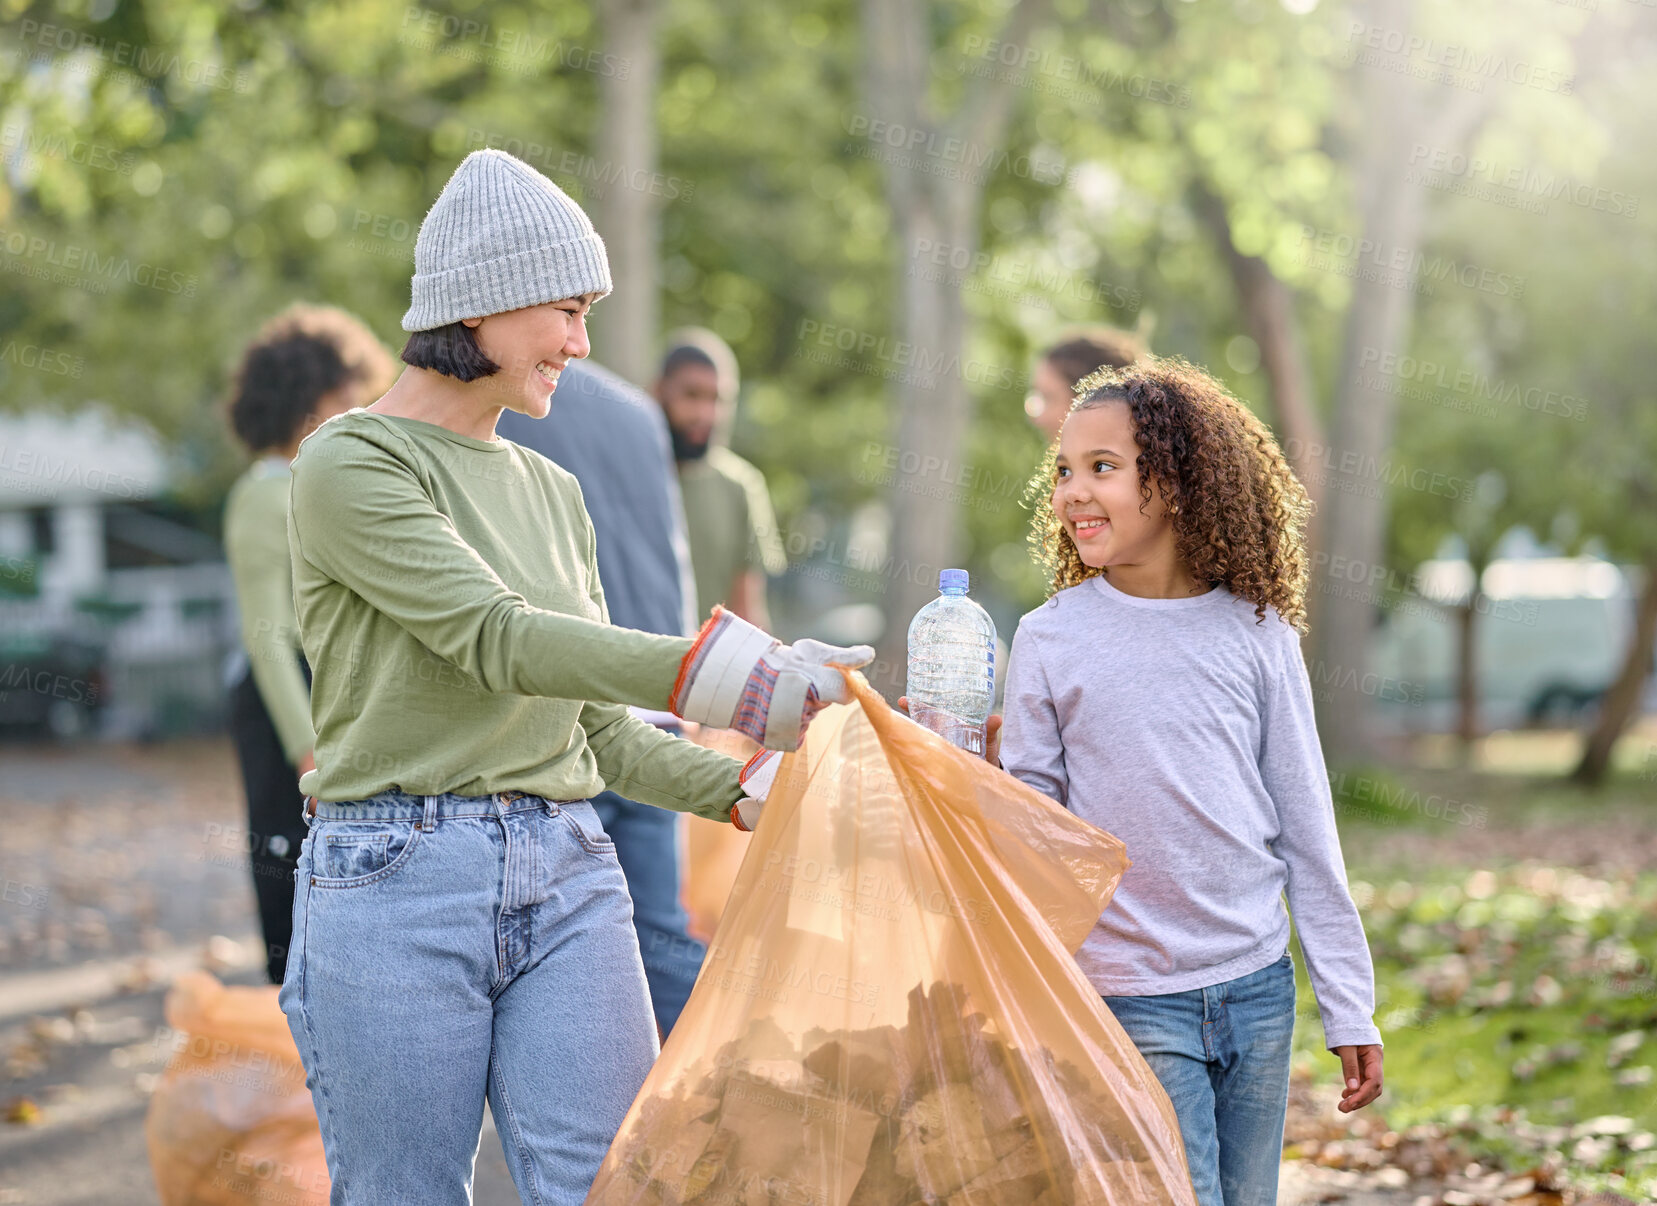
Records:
x=306, y=365
x=1160, y=693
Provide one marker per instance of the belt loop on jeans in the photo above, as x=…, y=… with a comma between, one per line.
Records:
x=428, y=822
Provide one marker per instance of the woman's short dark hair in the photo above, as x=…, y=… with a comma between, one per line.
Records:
x=452, y=350
x=300, y=356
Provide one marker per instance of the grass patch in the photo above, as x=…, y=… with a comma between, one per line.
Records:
x=1519, y=1009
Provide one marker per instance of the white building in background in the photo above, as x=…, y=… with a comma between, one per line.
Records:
x=86, y=557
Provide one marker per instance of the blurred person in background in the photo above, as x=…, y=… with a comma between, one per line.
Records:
x=734, y=543
x=1067, y=362
x=614, y=440
x=306, y=365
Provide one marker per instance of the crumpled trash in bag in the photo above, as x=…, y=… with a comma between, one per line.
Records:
x=890, y=1014
x=231, y=1122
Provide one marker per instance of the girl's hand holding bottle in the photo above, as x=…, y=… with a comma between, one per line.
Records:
x=992, y=734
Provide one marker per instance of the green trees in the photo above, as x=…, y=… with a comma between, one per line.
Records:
x=886, y=207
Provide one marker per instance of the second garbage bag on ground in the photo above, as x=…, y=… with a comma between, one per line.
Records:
x=890, y=1014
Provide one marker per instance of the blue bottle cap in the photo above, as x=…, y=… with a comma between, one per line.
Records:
x=953, y=579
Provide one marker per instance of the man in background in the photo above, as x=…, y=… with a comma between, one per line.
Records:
x=612, y=438
x=734, y=544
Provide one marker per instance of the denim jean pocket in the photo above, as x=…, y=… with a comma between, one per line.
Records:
x=584, y=823
x=352, y=853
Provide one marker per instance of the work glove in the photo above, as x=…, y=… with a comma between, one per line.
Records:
x=756, y=778
x=737, y=676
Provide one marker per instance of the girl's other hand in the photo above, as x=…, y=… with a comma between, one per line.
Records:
x=306, y=763
x=1360, y=1075
x=992, y=734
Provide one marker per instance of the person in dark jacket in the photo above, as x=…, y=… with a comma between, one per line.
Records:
x=613, y=438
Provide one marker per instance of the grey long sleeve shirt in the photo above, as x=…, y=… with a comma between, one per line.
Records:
x=1185, y=728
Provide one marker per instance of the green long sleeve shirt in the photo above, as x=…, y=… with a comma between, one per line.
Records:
x=256, y=546
x=449, y=602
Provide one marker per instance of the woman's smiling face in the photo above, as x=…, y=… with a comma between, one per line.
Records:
x=533, y=345
x=1096, y=491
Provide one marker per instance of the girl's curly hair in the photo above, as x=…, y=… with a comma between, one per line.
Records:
x=1239, y=513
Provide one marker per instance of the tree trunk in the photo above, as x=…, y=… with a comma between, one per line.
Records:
x=933, y=404
x=1467, y=672
x=1268, y=309
x=1377, y=326
x=1622, y=700
x=625, y=332
x=933, y=413
x=1267, y=306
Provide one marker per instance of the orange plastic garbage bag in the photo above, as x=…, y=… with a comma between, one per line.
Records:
x=890, y=1013
x=231, y=1122
x=713, y=850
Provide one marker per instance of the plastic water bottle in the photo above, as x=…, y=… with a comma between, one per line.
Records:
x=952, y=664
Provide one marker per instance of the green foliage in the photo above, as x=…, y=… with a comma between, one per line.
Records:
x=193, y=167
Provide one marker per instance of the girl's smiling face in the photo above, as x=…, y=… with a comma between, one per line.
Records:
x=1096, y=492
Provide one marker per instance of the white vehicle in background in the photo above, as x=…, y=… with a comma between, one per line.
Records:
x=1550, y=637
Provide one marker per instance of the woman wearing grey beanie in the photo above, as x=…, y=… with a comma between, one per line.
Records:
x=462, y=928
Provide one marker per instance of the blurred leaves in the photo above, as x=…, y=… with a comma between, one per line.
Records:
x=175, y=171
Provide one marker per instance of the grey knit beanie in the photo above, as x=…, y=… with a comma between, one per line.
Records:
x=499, y=237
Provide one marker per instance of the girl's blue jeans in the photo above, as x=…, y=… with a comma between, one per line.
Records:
x=1222, y=1054
x=451, y=948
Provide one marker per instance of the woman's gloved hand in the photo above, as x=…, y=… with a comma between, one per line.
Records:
x=737, y=676
x=756, y=778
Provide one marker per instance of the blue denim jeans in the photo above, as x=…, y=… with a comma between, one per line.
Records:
x=647, y=843
x=1222, y=1053
x=448, y=948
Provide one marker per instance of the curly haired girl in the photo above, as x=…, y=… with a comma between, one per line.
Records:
x=1160, y=694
